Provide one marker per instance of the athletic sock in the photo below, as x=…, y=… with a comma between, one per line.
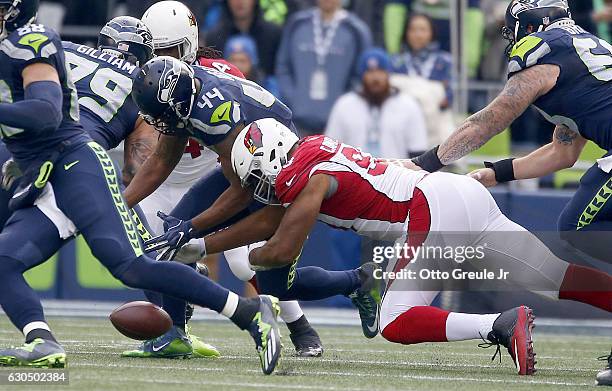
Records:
x=587, y=285
x=461, y=327
x=38, y=330
x=418, y=324
x=244, y=311
x=154, y=297
x=298, y=326
x=290, y=311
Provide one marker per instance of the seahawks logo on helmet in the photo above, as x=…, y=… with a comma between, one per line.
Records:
x=525, y=5
x=168, y=81
x=253, y=138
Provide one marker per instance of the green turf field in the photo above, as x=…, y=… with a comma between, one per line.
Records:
x=350, y=363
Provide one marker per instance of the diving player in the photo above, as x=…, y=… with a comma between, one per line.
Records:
x=182, y=101
x=342, y=186
x=566, y=73
x=70, y=185
x=175, y=33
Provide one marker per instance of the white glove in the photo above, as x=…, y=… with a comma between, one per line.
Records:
x=10, y=173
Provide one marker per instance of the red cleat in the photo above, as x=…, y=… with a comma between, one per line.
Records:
x=512, y=329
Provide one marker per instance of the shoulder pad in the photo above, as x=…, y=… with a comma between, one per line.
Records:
x=30, y=42
x=527, y=52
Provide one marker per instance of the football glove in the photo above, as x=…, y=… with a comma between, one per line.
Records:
x=178, y=233
x=10, y=173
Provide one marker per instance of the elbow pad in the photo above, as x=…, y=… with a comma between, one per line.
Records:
x=44, y=99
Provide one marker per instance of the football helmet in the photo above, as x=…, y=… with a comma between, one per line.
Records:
x=15, y=14
x=259, y=153
x=164, y=91
x=524, y=17
x=173, y=24
x=128, y=38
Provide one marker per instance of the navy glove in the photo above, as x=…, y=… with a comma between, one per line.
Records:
x=178, y=233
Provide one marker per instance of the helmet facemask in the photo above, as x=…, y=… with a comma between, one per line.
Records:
x=262, y=185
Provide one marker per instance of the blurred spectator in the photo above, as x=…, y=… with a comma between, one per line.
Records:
x=244, y=17
x=317, y=59
x=396, y=12
x=602, y=16
x=422, y=56
x=377, y=117
x=273, y=11
x=372, y=13
x=494, y=64
x=241, y=51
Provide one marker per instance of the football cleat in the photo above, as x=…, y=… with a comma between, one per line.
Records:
x=512, y=329
x=307, y=343
x=364, y=300
x=265, y=333
x=40, y=353
x=200, y=348
x=604, y=377
x=173, y=344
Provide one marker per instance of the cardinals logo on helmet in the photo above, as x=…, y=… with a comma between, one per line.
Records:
x=252, y=140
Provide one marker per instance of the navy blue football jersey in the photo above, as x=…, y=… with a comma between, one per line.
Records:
x=104, y=84
x=225, y=101
x=582, y=97
x=27, y=45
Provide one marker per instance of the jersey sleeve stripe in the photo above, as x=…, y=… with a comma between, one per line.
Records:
x=540, y=52
x=13, y=51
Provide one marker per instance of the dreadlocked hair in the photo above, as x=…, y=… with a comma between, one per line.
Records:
x=209, y=52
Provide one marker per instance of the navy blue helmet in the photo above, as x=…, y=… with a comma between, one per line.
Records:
x=128, y=38
x=524, y=17
x=164, y=91
x=15, y=14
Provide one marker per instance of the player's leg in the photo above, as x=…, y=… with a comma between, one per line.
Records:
x=5, y=195
x=586, y=221
x=441, y=216
x=28, y=239
x=89, y=195
x=305, y=338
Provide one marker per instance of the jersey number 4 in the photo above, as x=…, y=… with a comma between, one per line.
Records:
x=600, y=64
x=111, y=87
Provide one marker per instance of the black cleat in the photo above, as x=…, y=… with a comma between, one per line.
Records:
x=604, y=377
x=307, y=343
x=512, y=329
x=365, y=302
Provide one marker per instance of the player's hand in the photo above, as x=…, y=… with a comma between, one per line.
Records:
x=486, y=176
x=178, y=233
x=10, y=173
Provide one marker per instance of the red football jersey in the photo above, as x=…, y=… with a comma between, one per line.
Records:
x=221, y=65
x=372, y=196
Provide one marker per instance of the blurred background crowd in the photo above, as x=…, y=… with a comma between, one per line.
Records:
x=391, y=76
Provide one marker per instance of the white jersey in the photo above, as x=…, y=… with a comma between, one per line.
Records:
x=196, y=162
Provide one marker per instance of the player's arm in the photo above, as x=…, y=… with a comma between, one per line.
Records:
x=139, y=145
x=231, y=202
x=287, y=242
x=255, y=228
x=41, y=108
x=561, y=153
x=521, y=90
x=156, y=168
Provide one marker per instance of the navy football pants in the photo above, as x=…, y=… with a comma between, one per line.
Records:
x=88, y=193
x=586, y=221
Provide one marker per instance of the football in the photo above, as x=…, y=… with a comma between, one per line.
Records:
x=141, y=320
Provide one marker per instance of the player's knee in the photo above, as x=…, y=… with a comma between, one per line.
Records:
x=9, y=267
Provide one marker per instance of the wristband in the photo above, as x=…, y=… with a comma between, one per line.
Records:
x=504, y=170
x=429, y=161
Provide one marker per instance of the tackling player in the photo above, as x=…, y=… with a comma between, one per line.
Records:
x=175, y=34
x=566, y=73
x=70, y=185
x=320, y=178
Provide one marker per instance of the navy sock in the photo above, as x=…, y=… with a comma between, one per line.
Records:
x=176, y=309
x=176, y=280
x=309, y=283
x=17, y=298
x=39, y=333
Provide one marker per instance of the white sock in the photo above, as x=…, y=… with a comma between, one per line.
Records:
x=230, y=305
x=290, y=311
x=461, y=327
x=35, y=325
